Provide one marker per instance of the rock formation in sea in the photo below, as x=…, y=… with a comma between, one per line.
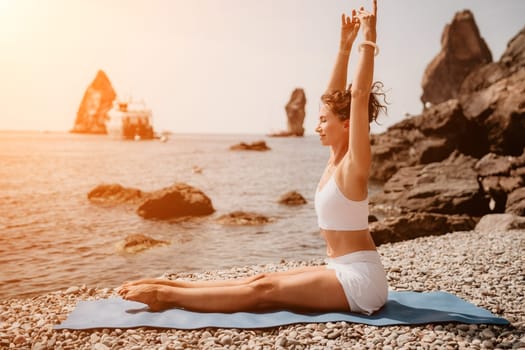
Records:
x=115, y=194
x=97, y=101
x=138, y=242
x=292, y=198
x=254, y=146
x=241, y=218
x=462, y=158
x=177, y=201
x=462, y=50
x=295, y=112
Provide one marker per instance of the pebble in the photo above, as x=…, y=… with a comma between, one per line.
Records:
x=94, y=338
x=225, y=340
x=463, y=327
x=428, y=338
x=487, y=334
x=487, y=344
x=19, y=339
x=72, y=290
x=280, y=342
x=334, y=334
x=100, y=346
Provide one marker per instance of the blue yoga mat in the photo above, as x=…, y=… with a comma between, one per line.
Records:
x=402, y=308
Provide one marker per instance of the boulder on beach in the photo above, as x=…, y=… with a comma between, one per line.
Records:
x=241, y=218
x=295, y=113
x=135, y=243
x=500, y=222
x=493, y=98
x=516, y=202
x=97, y=101
x=499, y=176
x=429, y=137
x=114, y=194
x=413, y=225
x=448, y=187
x=292, y=198
x=254, y=146
x=177, y=201
x=462, y=50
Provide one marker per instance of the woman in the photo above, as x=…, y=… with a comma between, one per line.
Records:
x=354, y=279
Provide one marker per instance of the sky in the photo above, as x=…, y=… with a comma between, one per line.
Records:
x=216, y=66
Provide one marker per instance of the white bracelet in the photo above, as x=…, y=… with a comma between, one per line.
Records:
x=370, y=43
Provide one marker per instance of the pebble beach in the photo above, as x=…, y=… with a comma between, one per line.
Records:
x=483, y=268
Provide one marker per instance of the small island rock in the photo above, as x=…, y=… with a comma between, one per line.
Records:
x=254, y=146
x=135, y=243
x=241, y=218
x=292, y=198
x=113, y=194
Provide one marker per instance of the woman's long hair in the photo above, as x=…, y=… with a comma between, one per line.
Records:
x=339, y=102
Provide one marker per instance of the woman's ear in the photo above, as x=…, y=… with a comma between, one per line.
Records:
x=346, y=123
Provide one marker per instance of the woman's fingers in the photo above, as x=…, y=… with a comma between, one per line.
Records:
x=364, y=15
x=350, y=20
x=374, y=8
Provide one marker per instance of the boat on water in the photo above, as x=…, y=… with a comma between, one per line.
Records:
x=130, y=120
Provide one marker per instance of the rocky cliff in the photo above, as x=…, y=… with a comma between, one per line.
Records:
x=463, y=157
x=462, y=50
x=487, y=115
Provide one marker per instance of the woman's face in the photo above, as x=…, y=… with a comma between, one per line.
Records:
x=331, y=129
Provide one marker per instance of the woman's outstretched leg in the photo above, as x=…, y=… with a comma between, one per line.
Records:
x=218, y=283
x=317, y=290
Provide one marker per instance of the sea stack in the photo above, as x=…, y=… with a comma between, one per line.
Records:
x=97, y=101
x=295, y=112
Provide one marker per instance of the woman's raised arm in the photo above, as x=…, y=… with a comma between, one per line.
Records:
x=349, y=30
x=359, y=143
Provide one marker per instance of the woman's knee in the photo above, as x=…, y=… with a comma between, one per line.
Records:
x=265, y=290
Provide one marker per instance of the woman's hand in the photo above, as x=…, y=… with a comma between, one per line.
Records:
x=368, y=22
x=349, y=30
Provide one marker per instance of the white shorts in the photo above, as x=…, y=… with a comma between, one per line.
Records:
x=363, y=279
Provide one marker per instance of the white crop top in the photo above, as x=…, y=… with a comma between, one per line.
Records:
x=336, y=212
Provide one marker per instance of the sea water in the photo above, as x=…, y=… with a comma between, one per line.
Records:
x=53, y=237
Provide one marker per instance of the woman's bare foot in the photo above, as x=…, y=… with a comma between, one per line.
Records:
x=146, y=294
